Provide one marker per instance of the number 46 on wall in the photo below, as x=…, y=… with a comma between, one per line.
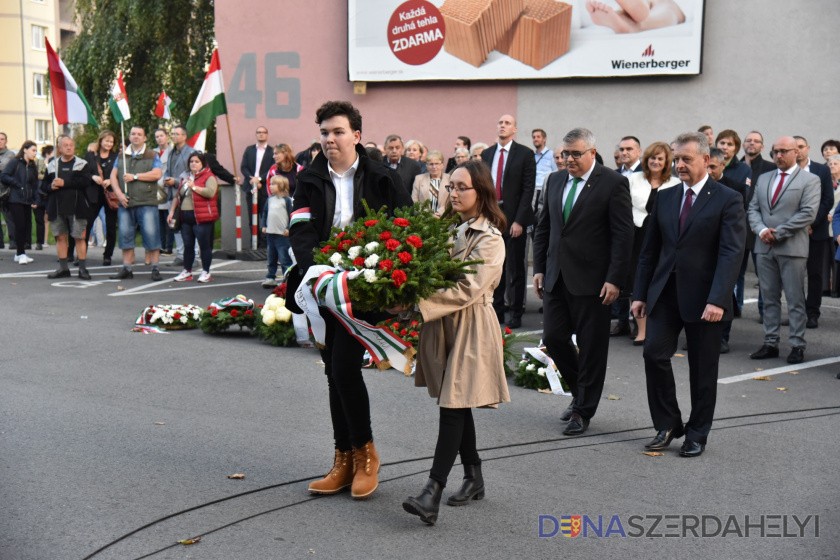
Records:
x=243, y=87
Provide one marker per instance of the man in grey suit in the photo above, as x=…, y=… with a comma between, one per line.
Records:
x=783, y=206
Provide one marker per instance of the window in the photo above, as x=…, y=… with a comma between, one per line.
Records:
x=42, y=131
x=39, y=34
x=39, y=88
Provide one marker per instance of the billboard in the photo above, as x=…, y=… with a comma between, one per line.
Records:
x=395, y=40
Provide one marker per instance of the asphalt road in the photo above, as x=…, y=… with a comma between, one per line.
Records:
x=115, y=444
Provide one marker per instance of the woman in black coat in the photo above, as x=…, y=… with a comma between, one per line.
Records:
x=101, y=162
x=21, y=174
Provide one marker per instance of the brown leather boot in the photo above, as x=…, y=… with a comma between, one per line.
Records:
x=339, y=478
x=366, y=469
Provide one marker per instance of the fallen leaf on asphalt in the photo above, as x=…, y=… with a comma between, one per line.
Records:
x=187, y=542
x=120, y=288
x=546, y=391
x=743, y=396
x=311, y=551
x=794, y=373
x=762, y=378
x=613, y=398
x=237, y=476
x=759, y=369
x=652, y=453
x=679, y=355
x=14, y=283
x=782, y=388
x=160, y=423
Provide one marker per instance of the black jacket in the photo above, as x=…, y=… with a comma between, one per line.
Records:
x=23, y=179
x=820, y=225
x=249, y=159
x=407, y=169
x=517, y=183
x=69, y=199
x=373, y=182
x=759, y=165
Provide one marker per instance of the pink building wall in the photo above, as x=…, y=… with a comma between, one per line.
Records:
x=313, y=36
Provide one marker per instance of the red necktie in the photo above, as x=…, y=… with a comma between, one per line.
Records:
x=689, y=194
x=778, y=189
x=500, y=170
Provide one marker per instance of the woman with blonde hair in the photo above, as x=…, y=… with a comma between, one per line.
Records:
x=431, y=186
x=656, y=174
x=101, y=161
x=415, y=150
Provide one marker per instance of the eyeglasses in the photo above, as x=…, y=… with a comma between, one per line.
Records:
x=262, y=132
x=778, y=152
x=429, y=164
x=459, y=190
x=574, y=155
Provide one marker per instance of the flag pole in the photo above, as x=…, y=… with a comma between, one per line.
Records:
x=232, y=155
x=125, y=167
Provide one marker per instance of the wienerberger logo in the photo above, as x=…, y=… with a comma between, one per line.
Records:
x=648, y=51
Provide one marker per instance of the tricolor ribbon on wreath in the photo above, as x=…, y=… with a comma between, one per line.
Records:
x=142, y=325
x=551, y=372
x=326, y=287
x=238, y=301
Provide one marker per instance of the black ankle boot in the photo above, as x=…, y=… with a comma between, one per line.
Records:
x=427, y=504
x=471, y=489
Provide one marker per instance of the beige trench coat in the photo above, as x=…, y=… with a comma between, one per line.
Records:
x=459, y=355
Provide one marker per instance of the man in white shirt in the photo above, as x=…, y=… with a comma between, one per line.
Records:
x=255, y=165
x=629, y=152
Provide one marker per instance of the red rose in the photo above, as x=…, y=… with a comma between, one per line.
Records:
x=403, y=332
x=386, y=265
x=344, y=245
x=176, y=316
x=280, y=291
x=508, y=331
x=260, y=306
x=503, y=343
x=371, y=223
x=360, y=234
x=414, y=323
x=399, y=278
x=249, y=313
x=396, y=325
x=234, y=313
x=414, y=333
x=385, y=235
x=214, y=312
x=392, y=244
x=359, y=261
x=415, y=241
x=402, y=222
x=326, y=250
x=340, y=235
x=405, y=257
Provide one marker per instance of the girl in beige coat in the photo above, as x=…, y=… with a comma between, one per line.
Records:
x=459, y=354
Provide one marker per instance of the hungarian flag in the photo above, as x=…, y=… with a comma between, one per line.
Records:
x=164, y=103
x=69, y=104
x=210, y=103
x=119, y=101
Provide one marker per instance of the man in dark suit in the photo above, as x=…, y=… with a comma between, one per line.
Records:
x=629, y=154
x=684, y=280
x=819, y=238
x=753, y=146
x=405, y=167
x=581, y=257
x=256, y=161
x=514, y=171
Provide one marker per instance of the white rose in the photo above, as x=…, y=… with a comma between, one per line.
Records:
x=523, y=362
x=184, y=319
x=371, y=261
x=354, y=251
x=336, y=259
x=283, y=315
x=371, y=247
x=370, y=275
x=268, y=318
x=541, y=372
x=531, y=367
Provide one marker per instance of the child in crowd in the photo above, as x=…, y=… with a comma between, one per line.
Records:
x=275, y=220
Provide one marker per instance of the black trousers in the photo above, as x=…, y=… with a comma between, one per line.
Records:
x=513, y=274
x=456, y=434
x=565, y=314
x=663, y=331
x=40, y=226
x=22, y=221
x=110, y=227
x=816, y=255
x=349, y=402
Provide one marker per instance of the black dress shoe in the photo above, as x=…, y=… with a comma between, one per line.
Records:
x=765, y=352
x=123, y=274
x=471, y=489
x=156, y=277
x=427, y=504
x=84, y=274
x=576, y=426
x=566, y=415
x=106, y=262
x=796, y=356
x=691, y=449
x=515, y=323
x=639, y=342
x=663, y=438
x=60, y=273
x=812, y=323
x=620, y=329
x=724, y=347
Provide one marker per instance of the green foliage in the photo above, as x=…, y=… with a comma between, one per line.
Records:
x=221, y=315
x=411, y=252
x=157, y=44
x=274, y=322
x=528, y=374
x=509, y=341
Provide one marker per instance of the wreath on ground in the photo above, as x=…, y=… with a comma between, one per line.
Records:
x=223, y=314
x=534, y=369
x=168, y=317
x=274, y=322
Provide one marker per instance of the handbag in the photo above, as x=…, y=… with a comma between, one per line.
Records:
x=111, y=197
x=176, y=217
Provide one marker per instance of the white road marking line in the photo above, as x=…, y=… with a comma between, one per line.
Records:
x=140, y=290
x=776, y=371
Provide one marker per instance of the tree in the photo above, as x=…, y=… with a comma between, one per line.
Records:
x=157, y=44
